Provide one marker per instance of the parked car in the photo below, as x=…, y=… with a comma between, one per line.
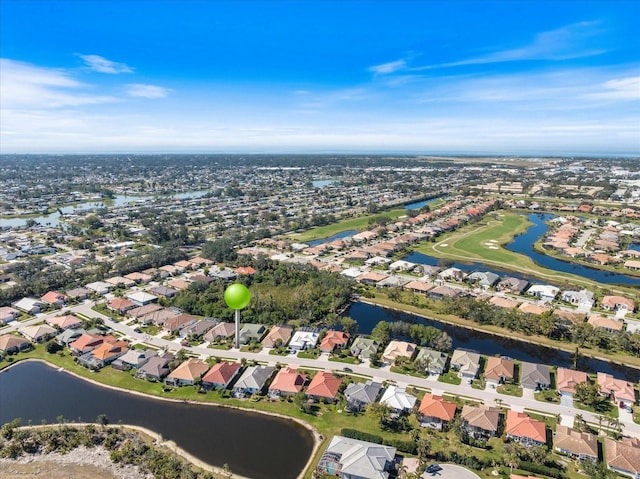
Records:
x=433, y=468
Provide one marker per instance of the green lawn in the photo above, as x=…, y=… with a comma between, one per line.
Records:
x=449, y=377
x=348, y=359
x=510, y=390
x=360, y=223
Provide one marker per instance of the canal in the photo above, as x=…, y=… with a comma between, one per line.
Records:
x=367, y=316
x=252, y=444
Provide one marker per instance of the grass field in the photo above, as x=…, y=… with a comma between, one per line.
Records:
x=361, y=223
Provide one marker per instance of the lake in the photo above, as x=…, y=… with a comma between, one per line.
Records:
x=419, y=204
x=253, y=445
x=342, y=234
x=367, y=316
x=116, y=202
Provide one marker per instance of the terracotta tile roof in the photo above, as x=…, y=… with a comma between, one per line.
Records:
x=533, y=308
x=190, y=370
x=107, y=350
x=334, y=339
x=53, y=297
x=120, y=304
x=86, y=341
x=575, y=442
x=482, y=417
x=613, y=302
x=64, y=322
x=623, y=454
x=418, y=286
x=620, y=388
x=436, y=406
x=520, y=424
x=598, y=321
x=566, y=379
x=498, y=368
x=324, y=385
x=282, y=333
x=245, y=270
x=288, y=380
x=221, y=373
x=503, y=302
x=9, y=341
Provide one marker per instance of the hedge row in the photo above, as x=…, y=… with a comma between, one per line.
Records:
x=408, y=446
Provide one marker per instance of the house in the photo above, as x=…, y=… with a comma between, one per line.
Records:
x=360, y=395
x=505, y=303
x=199, y=328
x=141, y=311
x=436, y=412
x=163, y=291
x=618, y=390
x=79, y=294
x=68, y=321
x=99, y=287
x=252, y=333
x=513, y=285
x=325, y=386
x=157, y=368
x=187, y=373
x=252, y=380
x=534, y=376
x=29, y=305
x=451, y=274
x=612, y=325
x=397, y=349
x=277, y=336
x=176, y=323
x=86, y=342
x=68, y=336
x=526, y=430
x=134, y=358
x=398, y=400
x=334, y=340
x=141, y=298
x=354, y=459
x=618, y=303
x=104, y=354
x=623, y=456
x=157, y=316
x=484, y=279
x=8, y=314
x=10, y=344
x=498, y=370
x=138, y=277
x=467, y=363
x=38, y=333
x=224, y=274
x=363, y=347
x=54, y=298
x=418, y=286
x=579, y=445
x=441, y=292
x=393, y=281
x=480, y=422
x=578, y=297
x=288, y=382
x=371, y=277
x=121, y=305
x=567, y=379
x=220, y=331
x=304, y=338
x=120, y=281
x=544, y=292
x=221, y=375
x=434, y=361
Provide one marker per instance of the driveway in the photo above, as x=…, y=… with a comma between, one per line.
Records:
x=566, y=401
x=451, y=471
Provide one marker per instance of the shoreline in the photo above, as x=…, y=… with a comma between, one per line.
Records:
x=479, y=329
x=317, y=441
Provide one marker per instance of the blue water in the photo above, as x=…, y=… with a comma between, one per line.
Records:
x=367, y=316
x=634, y=246
x=118, y=201
x=523, y=244
x=342, y=234
x=419, y=204
x=322, y=183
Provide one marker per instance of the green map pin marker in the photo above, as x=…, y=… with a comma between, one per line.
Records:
x=237, y=296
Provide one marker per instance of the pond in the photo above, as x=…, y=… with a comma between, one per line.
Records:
x=341, y=235
x=367, y=316
x=253, y=445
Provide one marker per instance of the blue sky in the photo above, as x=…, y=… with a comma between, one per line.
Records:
x=476, y=77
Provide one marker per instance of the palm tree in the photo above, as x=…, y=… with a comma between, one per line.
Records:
x=579, y=422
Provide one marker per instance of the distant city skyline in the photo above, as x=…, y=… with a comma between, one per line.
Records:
x=421, y=77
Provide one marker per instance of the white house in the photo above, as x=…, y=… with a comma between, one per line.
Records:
x=303, y=340
x=544, y=292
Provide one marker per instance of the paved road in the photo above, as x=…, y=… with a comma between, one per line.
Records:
x=489, y=397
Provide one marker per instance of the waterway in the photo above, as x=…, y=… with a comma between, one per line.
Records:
x=419, y=204
x=523, y=244
x=253, y=445
x=341, y=235
x=367, y=316
x=117, y=201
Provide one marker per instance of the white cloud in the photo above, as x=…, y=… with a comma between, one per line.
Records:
x=102, y=65
x=23, y=85
x=390, y=67
x=565, y=43
x=618, y=89
x=143, y=90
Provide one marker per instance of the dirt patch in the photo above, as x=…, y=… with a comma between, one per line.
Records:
x=77, y=464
